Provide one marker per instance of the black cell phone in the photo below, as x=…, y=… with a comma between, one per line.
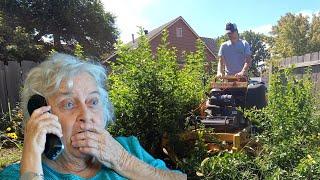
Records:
x=53, y=147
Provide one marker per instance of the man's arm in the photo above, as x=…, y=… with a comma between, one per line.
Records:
x=220, y=68
x=246, y=65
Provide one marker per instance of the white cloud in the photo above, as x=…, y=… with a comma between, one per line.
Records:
x=308, y=13
x=129, y=15
x=264, y=29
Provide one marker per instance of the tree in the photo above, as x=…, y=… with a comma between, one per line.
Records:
x=65, y=23
x=314, y=43
x=296, y=35
x=291, y=35
x=16, y=43
x=260, y=52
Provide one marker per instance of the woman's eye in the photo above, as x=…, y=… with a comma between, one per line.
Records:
x=68, y=105
x=95, y=102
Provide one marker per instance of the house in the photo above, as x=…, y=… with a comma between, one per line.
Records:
x=181, y=36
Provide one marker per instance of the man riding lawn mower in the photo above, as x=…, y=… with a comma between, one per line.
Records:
x=230, y=90
x=230, y=93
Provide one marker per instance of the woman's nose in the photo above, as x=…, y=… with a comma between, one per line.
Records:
x=84, y=114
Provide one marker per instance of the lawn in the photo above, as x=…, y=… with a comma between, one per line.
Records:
x=8, y=156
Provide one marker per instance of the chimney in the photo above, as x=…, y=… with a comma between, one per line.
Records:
x=146, y=32
x=132, y=38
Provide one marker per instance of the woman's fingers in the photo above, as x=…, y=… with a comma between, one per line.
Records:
x=99, y=143
x=48, y=126
x=38, y=119
x=41, y=123
x=86, y=143
x=101, y=152
x=89, y=150
x=88, y=139
x=38, y=112
x=91, y=127
x=85, y=135
x=51, y=130
x=46, y=122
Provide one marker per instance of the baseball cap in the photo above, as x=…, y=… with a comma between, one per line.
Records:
x=231, y=27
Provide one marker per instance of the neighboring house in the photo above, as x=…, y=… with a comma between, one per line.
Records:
x=181, y=36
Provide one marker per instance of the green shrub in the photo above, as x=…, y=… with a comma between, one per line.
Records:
x=11, y=132
x=291, y=106
x=151, y=94
x=191, y=162
x=230, y=166
x=309, y=167
x=289, y=124
x=290, y=111
x=281, y=159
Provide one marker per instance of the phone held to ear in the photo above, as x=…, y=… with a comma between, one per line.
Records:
x=53, y=147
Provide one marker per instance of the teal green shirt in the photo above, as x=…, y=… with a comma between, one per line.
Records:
x=131, y=144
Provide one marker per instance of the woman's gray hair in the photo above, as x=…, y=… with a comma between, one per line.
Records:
x=45, y=80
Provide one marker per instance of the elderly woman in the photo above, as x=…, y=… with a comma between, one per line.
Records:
x=78, y=111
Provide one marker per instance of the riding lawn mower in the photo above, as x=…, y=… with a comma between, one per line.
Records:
x=222, y=114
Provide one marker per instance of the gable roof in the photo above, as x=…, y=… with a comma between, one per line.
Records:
x=155, y=32
x=210, y=42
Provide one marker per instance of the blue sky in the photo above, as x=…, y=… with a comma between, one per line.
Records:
x=206, y=17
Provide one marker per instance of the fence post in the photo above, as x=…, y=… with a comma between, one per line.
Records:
x=3, y=89
x=315, y=56
x=307, y=57
x=13, y=82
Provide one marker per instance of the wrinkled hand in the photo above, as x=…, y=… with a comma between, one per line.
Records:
x=38, y=126
x=98, y=142
x=219, y=75
x=240, y=74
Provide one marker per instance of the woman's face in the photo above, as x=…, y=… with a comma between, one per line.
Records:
x=75, y=106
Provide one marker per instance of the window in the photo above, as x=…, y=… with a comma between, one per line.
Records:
x=179, y=32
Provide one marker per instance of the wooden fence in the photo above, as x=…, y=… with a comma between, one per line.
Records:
x=11, y=80
x=13, y=74
x=300, y=63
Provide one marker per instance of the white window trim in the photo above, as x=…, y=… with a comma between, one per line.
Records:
x=179, y=32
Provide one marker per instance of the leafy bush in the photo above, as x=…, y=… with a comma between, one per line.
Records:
x=191, y=162
x=291, y=106
x=308, y=168
x=151, y=94
x=229, y=166
x=281, y=159
x=289, y=125
x=11, y=132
